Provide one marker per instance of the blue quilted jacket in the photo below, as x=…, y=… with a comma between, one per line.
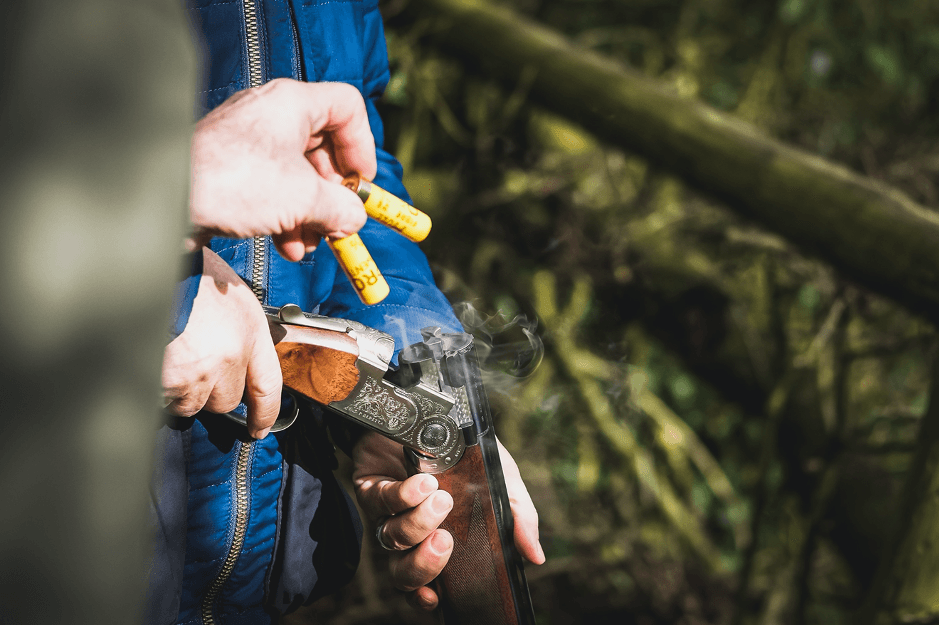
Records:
x=249, y=530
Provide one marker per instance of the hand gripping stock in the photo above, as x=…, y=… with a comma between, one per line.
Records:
x=436, y=407
x=484, y=580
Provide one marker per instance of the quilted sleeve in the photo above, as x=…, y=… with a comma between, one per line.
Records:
x=415, y=302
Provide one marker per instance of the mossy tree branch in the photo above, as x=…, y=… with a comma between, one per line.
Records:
x=873, y=233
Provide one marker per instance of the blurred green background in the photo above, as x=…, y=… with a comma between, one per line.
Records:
x=721, y=425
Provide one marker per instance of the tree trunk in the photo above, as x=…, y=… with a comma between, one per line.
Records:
x=875, y=234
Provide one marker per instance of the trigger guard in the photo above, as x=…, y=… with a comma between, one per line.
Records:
x=285, y=418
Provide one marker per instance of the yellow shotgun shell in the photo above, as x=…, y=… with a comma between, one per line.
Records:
x=361, y=270
x=390, y=209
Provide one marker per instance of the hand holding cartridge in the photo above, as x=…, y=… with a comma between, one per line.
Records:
x=351, y=253
x=270, y=160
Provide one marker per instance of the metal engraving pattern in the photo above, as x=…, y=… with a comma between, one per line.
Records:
x=429, y=408
x=461, y=410
x=376, y=404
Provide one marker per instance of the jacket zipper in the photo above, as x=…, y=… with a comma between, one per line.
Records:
x=295, y=36
x=255, y=79
x=242, y=507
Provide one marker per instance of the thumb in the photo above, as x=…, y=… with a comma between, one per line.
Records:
x=329, y=209
x=263, y=384
x=338, y=211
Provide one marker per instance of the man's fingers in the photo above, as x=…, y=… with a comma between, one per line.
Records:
x=186, y=397
x=523, y=510
x=339, y=211
x=418, y=567
x=187, y=405
x=186, y=388
x=263, y=383
x=311, y=238
x=299, y=242
x=404, y=495
x=198, y=239
x=526, y=532
x=346, y=121
x=328, y=209
x=226, y=395
x=407, y=529
x=382, y=496
x=424, y=598
x=290, y=244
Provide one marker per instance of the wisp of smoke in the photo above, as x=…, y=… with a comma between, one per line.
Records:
x=508, y=351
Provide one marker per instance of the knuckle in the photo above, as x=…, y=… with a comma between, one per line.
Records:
x=278, y=85
x=389, y=499
x=223, y=402
x=409, y=573
x=225, y=394
x=349, y=90
x=426, y=521
x=395, y=537
x=423, y=572
x=230, y=354
x=185, y=406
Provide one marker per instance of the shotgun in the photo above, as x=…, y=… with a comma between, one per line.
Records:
x=435, y=405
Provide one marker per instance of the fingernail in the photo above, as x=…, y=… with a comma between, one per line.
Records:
x=439, y=543
x=310, y=248
x=339, y=234
x=262, y=433
x=540, y=552
x=427, y=485
x=442, y=502
x=426, y=602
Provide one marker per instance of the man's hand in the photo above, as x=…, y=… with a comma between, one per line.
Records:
x=225, y=353
x=270, y=160
x=414, y=508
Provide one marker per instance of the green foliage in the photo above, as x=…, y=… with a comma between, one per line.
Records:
x=682, y=342
x=708, y=392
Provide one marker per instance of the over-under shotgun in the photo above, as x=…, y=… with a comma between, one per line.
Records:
x=435, y=405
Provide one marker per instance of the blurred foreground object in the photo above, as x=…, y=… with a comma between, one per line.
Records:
x=95, y=124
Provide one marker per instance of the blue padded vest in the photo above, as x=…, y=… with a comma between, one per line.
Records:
x=249, y=530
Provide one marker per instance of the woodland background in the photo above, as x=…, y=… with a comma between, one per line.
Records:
x=727, y=410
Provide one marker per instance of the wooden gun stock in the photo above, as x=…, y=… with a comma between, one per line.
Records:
x=484, y=582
